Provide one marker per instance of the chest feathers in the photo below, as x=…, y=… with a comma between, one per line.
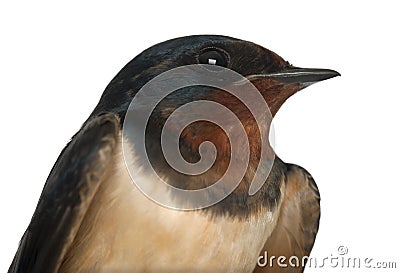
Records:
x=125, y=231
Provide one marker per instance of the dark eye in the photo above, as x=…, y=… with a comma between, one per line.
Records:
x=213, y=56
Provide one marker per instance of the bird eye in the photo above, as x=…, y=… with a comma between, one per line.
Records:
x=213, y=56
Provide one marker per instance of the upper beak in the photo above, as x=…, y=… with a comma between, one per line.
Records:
x=303, y=76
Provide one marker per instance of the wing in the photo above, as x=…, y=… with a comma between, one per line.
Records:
x=68, y=191
x=297, y=225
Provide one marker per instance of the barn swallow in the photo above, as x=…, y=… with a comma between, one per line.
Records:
x=91, y=217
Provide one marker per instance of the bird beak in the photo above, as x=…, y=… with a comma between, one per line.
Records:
x=277, y=87
x=302, y=76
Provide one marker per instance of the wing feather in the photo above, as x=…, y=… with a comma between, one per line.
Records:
x=66, y=196
x=298, y=222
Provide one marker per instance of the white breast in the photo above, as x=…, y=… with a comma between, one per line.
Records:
x=124, y=231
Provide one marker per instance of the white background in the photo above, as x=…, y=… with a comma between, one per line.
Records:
x=56, y=59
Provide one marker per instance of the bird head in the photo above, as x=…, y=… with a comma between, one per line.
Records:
x=275, y=79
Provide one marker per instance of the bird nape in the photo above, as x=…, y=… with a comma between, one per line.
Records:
x=103, y=209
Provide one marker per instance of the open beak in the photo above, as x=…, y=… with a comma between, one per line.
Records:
x=302, y=76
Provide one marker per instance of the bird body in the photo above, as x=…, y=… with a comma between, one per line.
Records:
x=113, y=236
x=93, y=216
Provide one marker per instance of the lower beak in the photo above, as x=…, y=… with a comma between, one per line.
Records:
x=303, y=76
